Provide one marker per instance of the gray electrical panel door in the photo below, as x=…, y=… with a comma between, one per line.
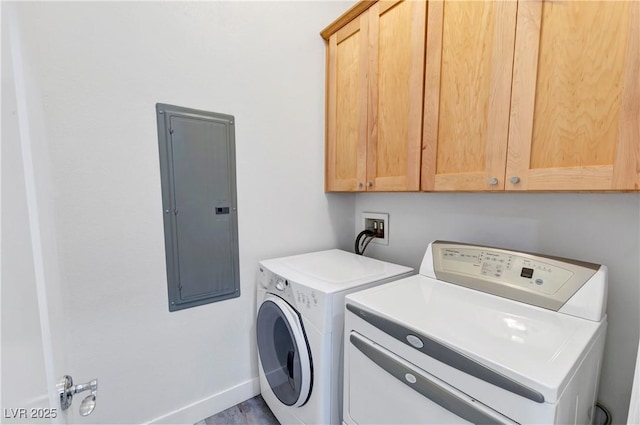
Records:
x=197, y=166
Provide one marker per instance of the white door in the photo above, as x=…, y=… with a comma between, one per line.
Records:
x=33, y=352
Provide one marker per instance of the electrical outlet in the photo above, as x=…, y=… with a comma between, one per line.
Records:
x=378, y=223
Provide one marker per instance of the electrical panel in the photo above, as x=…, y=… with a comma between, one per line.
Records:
x=198, y=173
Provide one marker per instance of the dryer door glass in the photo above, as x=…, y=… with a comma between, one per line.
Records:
x=284, y=352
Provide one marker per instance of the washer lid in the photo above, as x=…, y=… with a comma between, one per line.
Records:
x=333, y=270
x=529, y=345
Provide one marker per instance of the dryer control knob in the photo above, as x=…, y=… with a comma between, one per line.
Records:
x=280, y=285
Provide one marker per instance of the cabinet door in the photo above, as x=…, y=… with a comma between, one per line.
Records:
x=576, y=92
x=396, y=55
x=467, y=94
x=347, y=107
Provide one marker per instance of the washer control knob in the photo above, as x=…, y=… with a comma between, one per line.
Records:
x=280, y=284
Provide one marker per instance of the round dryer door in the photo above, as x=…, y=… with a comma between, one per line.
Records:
x=283, y=351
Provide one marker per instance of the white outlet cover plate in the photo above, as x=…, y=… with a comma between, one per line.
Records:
x=376, y=216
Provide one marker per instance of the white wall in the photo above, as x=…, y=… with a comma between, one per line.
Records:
x=600, y=228
x=100, y=68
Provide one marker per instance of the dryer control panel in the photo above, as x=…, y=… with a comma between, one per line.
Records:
x=535, y=279
x=537, y=274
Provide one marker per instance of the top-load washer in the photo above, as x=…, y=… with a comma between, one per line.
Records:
x=300, y=321
x=481, y=335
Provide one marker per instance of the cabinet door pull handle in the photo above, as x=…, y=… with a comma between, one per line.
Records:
x=369, y=184
x=493, y=181
x=515, y=179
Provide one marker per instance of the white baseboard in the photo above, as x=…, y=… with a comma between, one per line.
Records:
x=211, y=405
x=634, y=408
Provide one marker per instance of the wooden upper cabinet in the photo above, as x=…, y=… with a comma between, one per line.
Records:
x=346, y=113
x=539, y=95
x=575, y=109
x=396, y=70
x=467, y=94
x=375, y=69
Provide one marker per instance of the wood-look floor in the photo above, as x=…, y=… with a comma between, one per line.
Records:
x=251, y=412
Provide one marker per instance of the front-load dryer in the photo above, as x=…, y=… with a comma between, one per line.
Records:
x=299, y=327
x=482, y=335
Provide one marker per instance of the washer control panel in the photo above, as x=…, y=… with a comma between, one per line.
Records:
x=536, y=279
x=301, y=297
x=281, y=287
x=307, y=298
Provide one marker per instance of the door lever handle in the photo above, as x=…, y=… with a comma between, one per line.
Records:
x=67, y=390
